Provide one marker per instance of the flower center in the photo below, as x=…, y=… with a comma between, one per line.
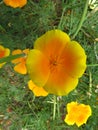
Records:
x=53, y=63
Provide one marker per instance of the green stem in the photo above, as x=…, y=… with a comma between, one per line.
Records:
x=82, y=19
x=63, y=13
x=54, y=106
x=58, y=107
x=59, y=26
x=1, y=2
x=92, y=65
x=10, y=58
x=90, y=83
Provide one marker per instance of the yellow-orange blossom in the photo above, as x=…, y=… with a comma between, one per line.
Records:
x=15, y=3
x=3, y=53
x=77, y=113
x=56, y=63
x=20, y=63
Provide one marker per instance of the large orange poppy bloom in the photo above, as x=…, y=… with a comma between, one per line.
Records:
x=3, y=53
x=56, y=63
x=77, y=113
x=15, y=3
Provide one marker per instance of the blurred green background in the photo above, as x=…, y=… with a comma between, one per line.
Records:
x=19, y=28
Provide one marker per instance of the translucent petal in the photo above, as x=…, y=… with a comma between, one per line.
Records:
x=52, y=43
x=7, y=52
x=21, y=68
x=59, y=82
x=38, y=67
x=18, y=60
x=73, y=59
x=38, y=91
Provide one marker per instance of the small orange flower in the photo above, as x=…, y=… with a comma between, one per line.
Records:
x=56, y=63
x=15, y=3
x=77, y=113
x=38, y=91
x=3, y=53
x=20, y=66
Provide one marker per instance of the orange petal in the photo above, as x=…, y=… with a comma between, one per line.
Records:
x=52, y=43
x=3, y=53
x=59, y=82
x=21, y=68
x=73, y=58
x=26, y=51
x=15, y=3
x=38, y=91
x=77, y=113
x=18, y=60
x=17, y=51
x=7, y=52
x=72, y=113
x=83, y=115
x=38, y=67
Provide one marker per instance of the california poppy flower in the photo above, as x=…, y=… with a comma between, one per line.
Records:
x=20, y=63
x=56, y=63
x=38, y=91
x=3, y=53
x=15, y=3
x=77, y=113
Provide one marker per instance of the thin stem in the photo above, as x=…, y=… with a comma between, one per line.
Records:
x=59, y=26
x=1, y=2
x=58, y=105
x=54, y=107
x=92, y=65
x=10, y=58
x=58, y=109
x=30, y=107
x=90, y=83
x=95, y=50
x=82, y=19
x=63, y=13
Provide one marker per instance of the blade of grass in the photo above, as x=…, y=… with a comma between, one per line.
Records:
x=82, y=19
x=10, y=58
